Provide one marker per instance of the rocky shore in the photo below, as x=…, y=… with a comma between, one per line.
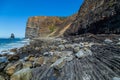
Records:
x=83, y=57
x=61, y=48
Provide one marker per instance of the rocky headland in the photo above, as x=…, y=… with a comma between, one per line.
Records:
x=85, y=46
x=97, y=17
x=48, y=26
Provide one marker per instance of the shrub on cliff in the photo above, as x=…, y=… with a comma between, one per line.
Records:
x=52, y=28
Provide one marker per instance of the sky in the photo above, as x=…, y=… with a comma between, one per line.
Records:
x=14, y=13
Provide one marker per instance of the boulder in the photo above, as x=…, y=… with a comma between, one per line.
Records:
x=64, y=41
x=13, y=50
x=68, y=46
x=61, y=47
x=108, y=41
x=53, y=59
x=13, y=57
x=57, y=53
x=38, y=62
x=32, y=59
x=87, y=51
x=81, y=45
x=48, y=53
x=37, y=48
x=63, y=53
x=70, y=58
x=27, y=64
x=46, y=60
x=80, y=54
x=26, y=58
x=75, y=45
x=51, y=53
x=76, y=49
x=24, y=74
x=118, y=43
x=91, y=44
x=53, y=47
x=66, y=53
x=59, y=63
x=2, y=66
x=85, y=44
x=12, y=68
x=83, y=52
x=2, y=78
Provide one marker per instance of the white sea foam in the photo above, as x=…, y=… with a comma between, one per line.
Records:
x=4, y=48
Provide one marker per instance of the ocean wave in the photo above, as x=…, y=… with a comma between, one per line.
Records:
x=6, y=45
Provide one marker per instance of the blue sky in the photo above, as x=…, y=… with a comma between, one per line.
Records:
x=14, y=13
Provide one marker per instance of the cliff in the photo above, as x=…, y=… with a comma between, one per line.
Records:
x=43, y=26
x=97, y=16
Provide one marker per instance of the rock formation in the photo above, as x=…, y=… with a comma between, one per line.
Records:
x=94, y=16
x=89, y=57
x=12, y=36
x=43, y=26
x=79, y=57
x=97, y=16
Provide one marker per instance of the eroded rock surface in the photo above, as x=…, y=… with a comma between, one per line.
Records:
x=43, y=26
x=84, y=57
x=24, y=74
x=98, y=17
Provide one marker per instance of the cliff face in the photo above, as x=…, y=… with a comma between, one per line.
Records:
x=97, y=16
x=41, y=26
x=44, y=26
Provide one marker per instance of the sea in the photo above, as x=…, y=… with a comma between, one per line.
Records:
x=6, y=43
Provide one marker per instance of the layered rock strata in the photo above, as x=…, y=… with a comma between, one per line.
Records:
x=44, y=26
x=98, y=17
x=75, y=58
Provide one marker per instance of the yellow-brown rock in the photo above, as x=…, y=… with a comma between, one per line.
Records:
x=27, y=65
x=40, y=60
x=12, y=68
x=24, y=74
x=31, y=58
x=43, y=26
x=53, y=59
